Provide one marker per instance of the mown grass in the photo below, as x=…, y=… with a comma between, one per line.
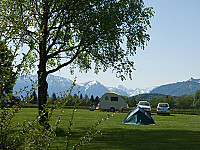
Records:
x=177, y=131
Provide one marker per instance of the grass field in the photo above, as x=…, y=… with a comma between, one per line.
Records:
x=176, y=132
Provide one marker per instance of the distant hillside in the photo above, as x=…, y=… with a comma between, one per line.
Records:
x=59, y=84
x=188, y=87
x=149, y=96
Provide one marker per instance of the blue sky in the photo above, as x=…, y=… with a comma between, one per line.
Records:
x=172, y=55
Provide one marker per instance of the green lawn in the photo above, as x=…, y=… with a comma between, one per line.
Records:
x=177, y=131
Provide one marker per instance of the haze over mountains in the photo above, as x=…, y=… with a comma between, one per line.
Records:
x=60, y=84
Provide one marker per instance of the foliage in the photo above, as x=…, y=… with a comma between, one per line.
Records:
x=155, y=98
x=81, y=96
x=29, y=134
x=96, y=100
x=79, y=31
x=170, y=100
x=154, y=102
x=184, y=102
x=34, y=97
x=130, y=101
x=196, y=102
x=25, y=134
x=54, y=98
x=92, y=100
x=149, y=96
x=7, y=75
x=76, y=34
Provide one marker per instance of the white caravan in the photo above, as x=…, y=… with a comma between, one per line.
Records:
x=111, y=101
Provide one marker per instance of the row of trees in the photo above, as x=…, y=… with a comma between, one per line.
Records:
x=182, y=102
x=82, y=101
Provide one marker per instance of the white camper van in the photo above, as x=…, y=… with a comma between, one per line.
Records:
x=111, y=101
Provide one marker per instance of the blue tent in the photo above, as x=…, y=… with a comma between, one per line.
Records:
x=138, y=116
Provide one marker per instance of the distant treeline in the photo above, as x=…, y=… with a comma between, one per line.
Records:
x=71, y=100
x=179, y=102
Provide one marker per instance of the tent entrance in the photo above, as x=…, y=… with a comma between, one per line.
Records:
x=138, y=116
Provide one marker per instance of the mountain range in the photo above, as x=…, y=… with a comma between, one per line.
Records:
x=188, y=87
x=57, y=84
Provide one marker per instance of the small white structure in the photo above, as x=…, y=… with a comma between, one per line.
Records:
x=111, y=101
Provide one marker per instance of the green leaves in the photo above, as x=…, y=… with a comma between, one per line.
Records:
x=7, y=75
x=196, y=102
x=68, y=30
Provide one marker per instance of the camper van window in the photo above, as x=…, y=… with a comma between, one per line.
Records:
x=114, y=98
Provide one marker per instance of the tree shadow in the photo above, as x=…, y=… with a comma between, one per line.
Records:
x=119, y=138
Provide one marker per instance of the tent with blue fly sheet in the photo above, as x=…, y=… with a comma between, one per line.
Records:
x=138, y=116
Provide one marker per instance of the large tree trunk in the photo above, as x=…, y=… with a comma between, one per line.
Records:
x=42, y=86
x=42, y=99
x=42, y=72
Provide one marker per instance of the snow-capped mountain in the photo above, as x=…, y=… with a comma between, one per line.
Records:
x=130, y=92
x=58, y=84
x=119, y=91
x=140, y=91
x=94, y=88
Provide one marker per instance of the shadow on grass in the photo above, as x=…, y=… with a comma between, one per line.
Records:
x=129, y=139
x=60, y=132
x=165, y=115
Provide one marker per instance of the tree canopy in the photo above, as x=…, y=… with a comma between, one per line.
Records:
x=7, y=75
x=77, y=33
x=74, y=33
x=196, y=102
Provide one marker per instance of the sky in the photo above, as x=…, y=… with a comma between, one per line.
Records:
x=172, y=54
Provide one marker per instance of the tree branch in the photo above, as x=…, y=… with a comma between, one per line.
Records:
x=60, y=51
x=66, y=63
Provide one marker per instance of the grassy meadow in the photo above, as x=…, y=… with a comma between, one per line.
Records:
x=177, y=131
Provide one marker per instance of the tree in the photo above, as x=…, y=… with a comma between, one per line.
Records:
x=188, y=102
x=179, y=102
x=81, y=96
x=87, y=100
x=34, y=97
x=154, y=102
x=92, y=102
x=170, y=101
x=196, y=102
x=130, y=101
x=54, y=98
x=74, y=33
x=184, y=102
x=7, y=75
x=96, y=101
